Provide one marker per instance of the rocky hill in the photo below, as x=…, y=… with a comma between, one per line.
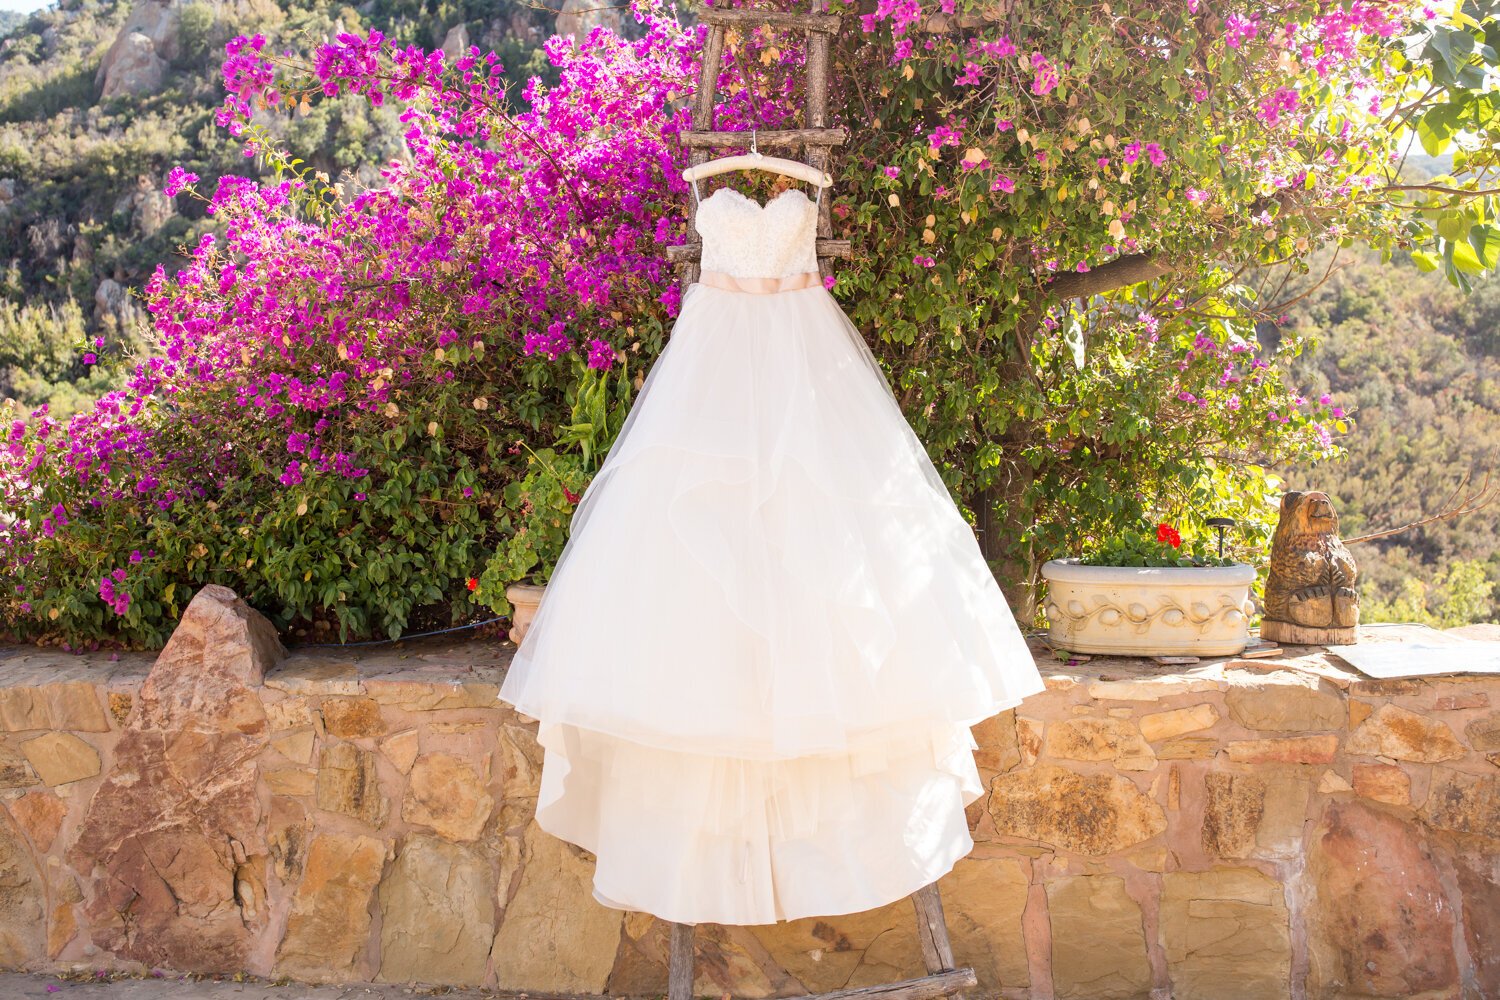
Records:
x=98, y=100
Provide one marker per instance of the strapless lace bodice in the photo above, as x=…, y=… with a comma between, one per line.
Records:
x=745, y=239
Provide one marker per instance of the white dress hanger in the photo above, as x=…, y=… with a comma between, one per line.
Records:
x=756, y=160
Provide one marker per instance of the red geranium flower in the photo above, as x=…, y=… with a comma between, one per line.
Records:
x=473, y=583
x=572, y=497
x=1166, y=533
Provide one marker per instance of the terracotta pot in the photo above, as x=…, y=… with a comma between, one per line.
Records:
x=1149, y=610
x=524, y=598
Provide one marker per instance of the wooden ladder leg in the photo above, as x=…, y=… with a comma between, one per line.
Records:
x=932, y=930
x=680, y=968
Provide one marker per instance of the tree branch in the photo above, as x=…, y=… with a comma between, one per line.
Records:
x=1118, y=273
x=1463, y=500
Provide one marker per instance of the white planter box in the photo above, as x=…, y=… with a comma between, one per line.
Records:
x=1149, y=610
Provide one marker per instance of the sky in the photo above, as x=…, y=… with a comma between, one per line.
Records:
x=24, y=6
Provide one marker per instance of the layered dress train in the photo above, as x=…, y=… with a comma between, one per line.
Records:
x=758, y=657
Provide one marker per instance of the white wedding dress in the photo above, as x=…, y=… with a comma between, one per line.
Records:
x=757, y=660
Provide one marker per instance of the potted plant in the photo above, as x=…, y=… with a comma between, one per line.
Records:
x=537, y=512
x=1145, y=593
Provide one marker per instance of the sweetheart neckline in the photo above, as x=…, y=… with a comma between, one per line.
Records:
x=749, y=200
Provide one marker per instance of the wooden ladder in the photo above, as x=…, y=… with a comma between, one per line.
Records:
x=816, y=140
x=942, y=978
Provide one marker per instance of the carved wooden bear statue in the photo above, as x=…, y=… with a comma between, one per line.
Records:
x=1310, y=595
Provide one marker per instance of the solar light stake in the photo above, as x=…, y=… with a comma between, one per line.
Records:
x=1219, y=524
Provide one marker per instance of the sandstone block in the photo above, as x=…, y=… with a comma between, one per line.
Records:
x=1280, y=833
x=295, y=745
x=520, y=762
x=1188, y=748
x=330, y=917
x=1087, y=814
x=1392, y=731
x=312, y=676
x=74, y=705
x=1029, y=739
x=1484, y=732
x=984, y=900
x=1232, y=813
x=728, y=960
x=15, y=769
x=1287, y=750
x=1111, y=739
x=401, y=749
x=1300, y=704
x=39, y=815
x=292, y=781
x=1479, y=885
x=62, y=928
x=286, y=838
x=1464, y=803
x=1359, y=711
x=288, y=713
x=347, y=783
x=999, y=749
x=425, y=696
x=1381, y=925
x=59, y=758
x=1098, y=940
x=1226, y=926
x=352, y=718
x=554, y=935
x=175, y=830
x=1160, y=726
x=857, y=949
x=1150, y=689
x=1383, y=783
x=446, y=794
x=438, y=915
x=23, y=915
x=1462, y=700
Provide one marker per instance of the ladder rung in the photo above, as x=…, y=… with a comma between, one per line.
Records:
x=778, y=19
x=768, y=137
x=941, y=984
x=688, y=253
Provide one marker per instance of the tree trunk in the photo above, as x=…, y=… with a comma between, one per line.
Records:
x=1000, y=525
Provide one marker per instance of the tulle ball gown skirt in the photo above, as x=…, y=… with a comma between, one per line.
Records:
x=757, y=660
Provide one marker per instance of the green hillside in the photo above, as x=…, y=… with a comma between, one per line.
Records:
x=1418, y=365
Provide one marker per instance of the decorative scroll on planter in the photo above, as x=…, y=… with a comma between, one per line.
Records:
x=1149, y=610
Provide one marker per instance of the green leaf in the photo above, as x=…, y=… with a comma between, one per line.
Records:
x=1426, y=261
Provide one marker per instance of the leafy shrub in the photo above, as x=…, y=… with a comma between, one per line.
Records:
x=1161, y=545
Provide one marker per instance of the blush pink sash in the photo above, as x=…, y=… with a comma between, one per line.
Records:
x=760, y=286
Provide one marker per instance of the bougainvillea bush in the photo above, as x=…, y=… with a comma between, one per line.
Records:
x=1074, y=222
x=347, y=382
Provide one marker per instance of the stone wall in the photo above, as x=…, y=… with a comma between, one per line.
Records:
x=1241, y=829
